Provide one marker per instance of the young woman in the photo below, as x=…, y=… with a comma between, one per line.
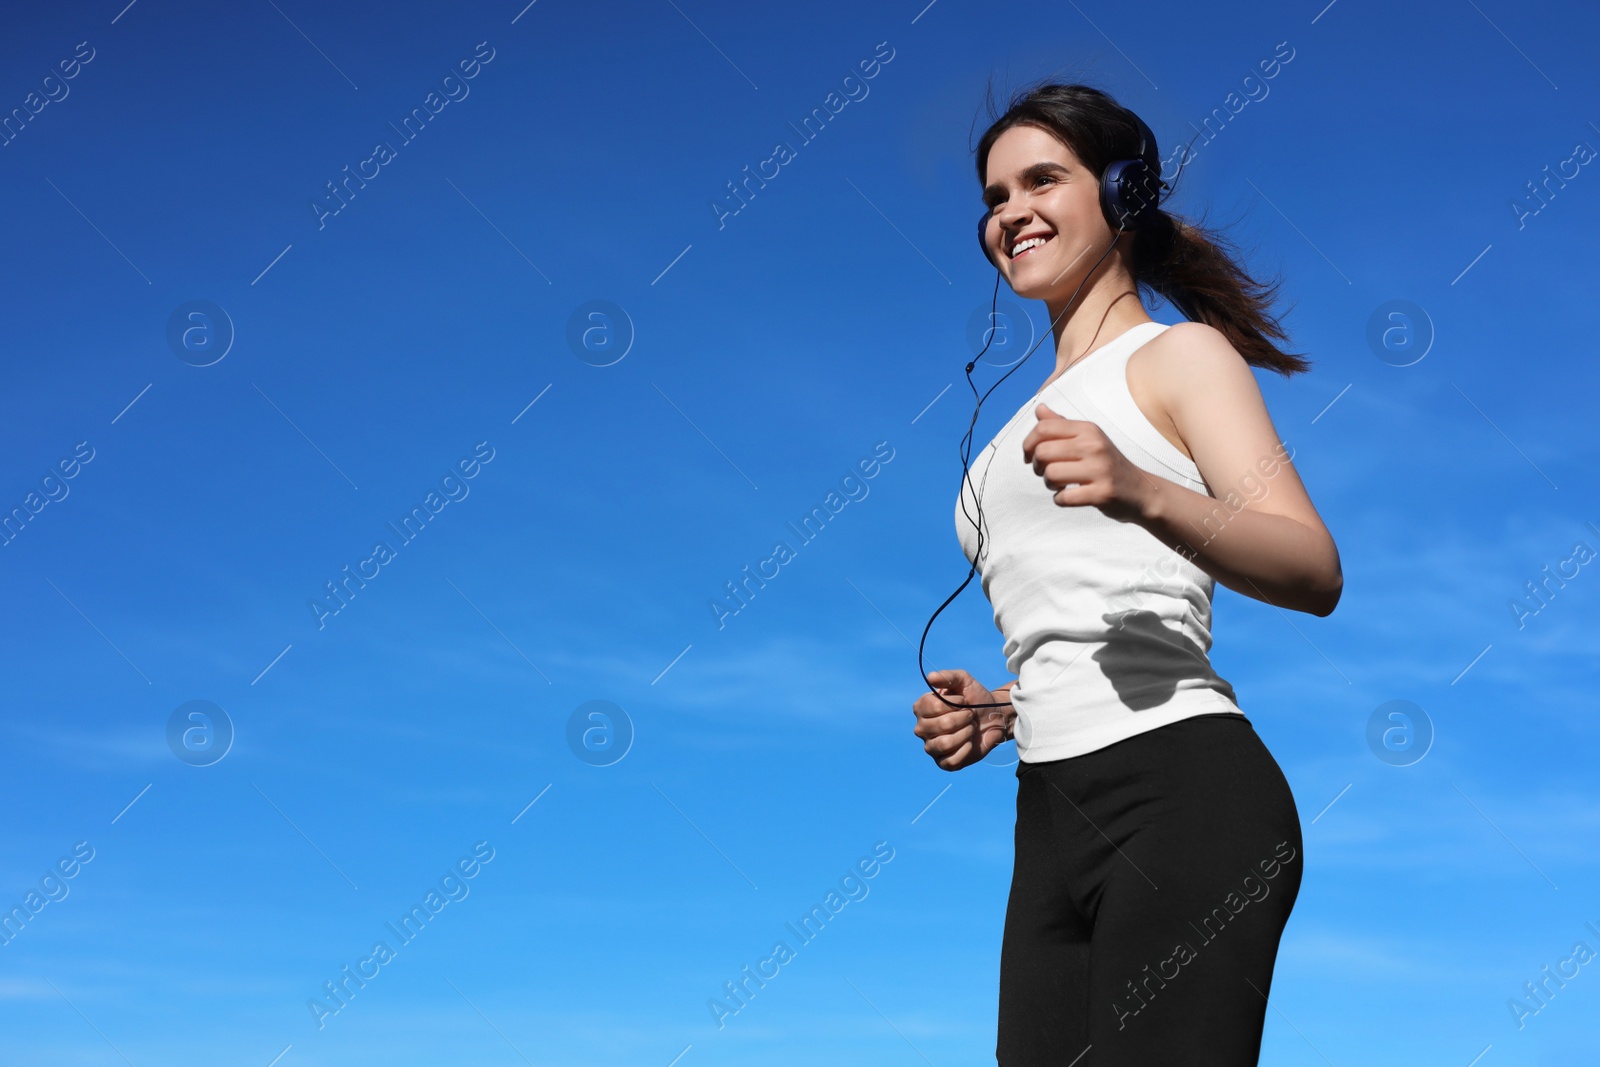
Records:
x=1158, y=847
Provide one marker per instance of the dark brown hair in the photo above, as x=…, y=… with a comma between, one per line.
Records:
x=1194, y=267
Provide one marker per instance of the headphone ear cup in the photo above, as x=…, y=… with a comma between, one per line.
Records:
x=1130, y=189
x=983, y=232
x=1128, y=194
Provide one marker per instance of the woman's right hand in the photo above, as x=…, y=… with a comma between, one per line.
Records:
x=954, y=737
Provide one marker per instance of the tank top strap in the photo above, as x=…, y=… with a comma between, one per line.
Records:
x=1106, y=387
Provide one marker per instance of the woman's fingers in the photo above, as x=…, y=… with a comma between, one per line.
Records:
x=934, y=720
x=930, y=705
x=943, y=743
x=941, y=725
x=946, y=747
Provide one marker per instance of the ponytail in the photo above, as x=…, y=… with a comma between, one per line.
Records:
x=1195, y=268
x=1198, y=271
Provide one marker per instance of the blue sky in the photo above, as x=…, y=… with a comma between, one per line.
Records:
x=426, y=325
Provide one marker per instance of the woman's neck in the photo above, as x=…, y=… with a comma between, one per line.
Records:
x=1109, y=308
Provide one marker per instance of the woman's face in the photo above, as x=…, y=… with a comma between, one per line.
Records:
x=1045, y=226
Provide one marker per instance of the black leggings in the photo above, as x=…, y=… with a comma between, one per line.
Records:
x=1153, y=879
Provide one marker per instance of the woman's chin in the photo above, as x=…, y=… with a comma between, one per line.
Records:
x=1031, y=283
x=1030, y=288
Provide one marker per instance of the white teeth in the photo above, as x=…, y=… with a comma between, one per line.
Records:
x=1032, y=242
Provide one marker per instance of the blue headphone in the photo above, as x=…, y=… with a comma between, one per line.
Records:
x=1129, y=189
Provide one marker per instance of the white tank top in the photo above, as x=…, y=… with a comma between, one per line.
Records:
x=1106, y=628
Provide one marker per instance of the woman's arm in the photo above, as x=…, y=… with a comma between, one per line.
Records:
x=1259, y=535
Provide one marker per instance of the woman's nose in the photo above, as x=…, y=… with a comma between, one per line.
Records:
x=1012, y=216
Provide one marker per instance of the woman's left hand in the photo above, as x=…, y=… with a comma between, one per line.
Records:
x=1082, y=466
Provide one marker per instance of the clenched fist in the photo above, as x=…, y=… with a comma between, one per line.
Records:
x=1082, y=466
x=960, y=737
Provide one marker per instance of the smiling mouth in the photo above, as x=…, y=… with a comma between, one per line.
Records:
x=1022, y=248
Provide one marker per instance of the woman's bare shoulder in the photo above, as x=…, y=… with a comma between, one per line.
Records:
x=1160, y=370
